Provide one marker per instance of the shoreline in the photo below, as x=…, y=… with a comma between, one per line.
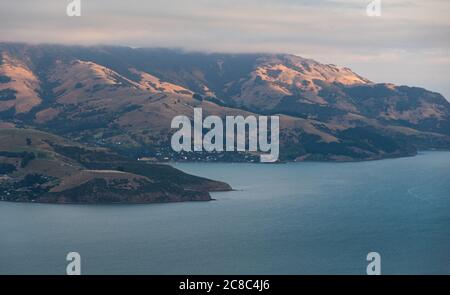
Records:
x=305, y=161
x=231, y=190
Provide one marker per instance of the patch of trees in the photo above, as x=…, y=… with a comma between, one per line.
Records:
x=27, y=159
x=4, y=79
x=6, y=168
x=25, y=156
x=79, y=85
x=32, y=180
x=11, y=154
x=7, y=94
x=197, y=96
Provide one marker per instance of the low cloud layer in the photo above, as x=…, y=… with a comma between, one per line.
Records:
x=408, y=44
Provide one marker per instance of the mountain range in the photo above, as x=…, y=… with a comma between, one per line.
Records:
x=122, y=100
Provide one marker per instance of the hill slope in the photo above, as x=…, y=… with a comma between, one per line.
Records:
x=124, y=99
x=39, y=167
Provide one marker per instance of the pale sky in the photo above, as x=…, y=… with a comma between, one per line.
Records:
x=409, y=44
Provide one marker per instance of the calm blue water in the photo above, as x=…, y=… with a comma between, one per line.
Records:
x=297, y=218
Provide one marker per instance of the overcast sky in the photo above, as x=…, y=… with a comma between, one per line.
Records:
x=408, y=44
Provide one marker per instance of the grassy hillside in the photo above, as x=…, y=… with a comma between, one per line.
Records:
x=124, y=99
x=37, y=166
